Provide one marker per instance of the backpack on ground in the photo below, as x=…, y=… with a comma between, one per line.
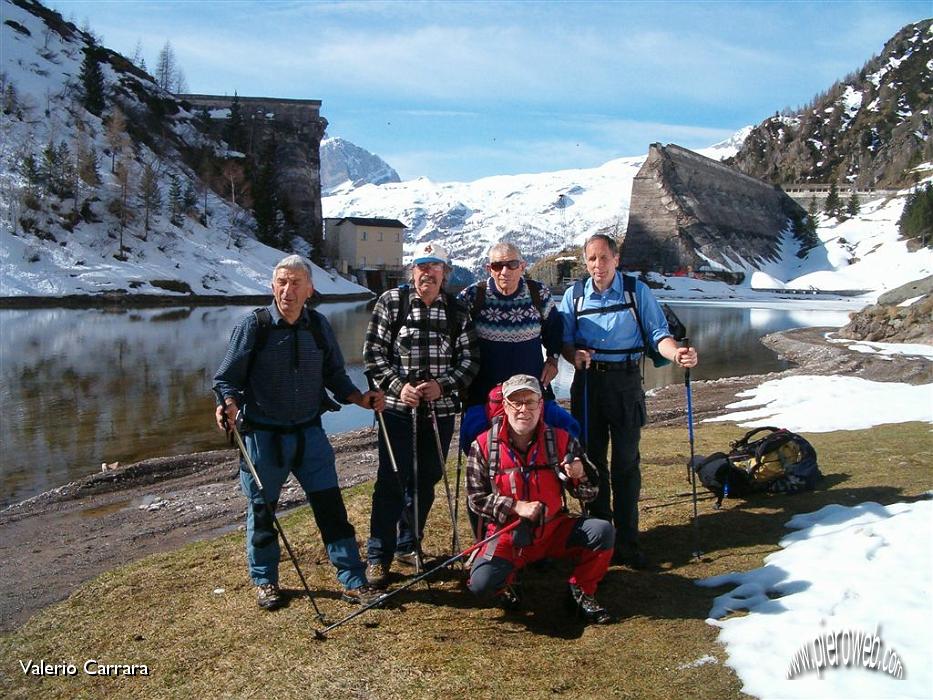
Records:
x=778, y=462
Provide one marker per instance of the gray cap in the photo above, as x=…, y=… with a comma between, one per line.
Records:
x=520, y=382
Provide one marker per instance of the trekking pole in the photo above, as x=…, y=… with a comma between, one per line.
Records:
x=457, y=486
x=693, y=475
x=407, y=508
x=321, y=635
x=233, y=430
x=443, y=463
x=416, y=521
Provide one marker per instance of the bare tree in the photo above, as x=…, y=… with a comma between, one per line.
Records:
x=233, y=173
x=117, y=136
x=138, y=59
x=165, y=67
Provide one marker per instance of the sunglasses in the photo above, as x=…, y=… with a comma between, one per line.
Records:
x=499, y=264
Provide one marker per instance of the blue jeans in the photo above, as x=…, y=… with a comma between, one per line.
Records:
x=390, y=526
x=274, y=456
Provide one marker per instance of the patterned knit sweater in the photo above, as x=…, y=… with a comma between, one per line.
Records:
x=509, y=330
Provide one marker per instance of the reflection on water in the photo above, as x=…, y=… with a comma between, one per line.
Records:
x=81, y=387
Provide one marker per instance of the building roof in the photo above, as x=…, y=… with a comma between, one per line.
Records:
x=362, y=221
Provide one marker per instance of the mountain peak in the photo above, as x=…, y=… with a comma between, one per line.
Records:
x=344, y=164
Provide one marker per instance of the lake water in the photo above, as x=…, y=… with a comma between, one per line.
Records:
x=81, y=387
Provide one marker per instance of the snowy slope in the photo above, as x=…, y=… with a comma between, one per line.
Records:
x=541, y=212
x=48, y=259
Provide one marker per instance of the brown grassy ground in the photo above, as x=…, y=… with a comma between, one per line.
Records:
x=162, y=611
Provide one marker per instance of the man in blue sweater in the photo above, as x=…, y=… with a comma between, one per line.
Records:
x=519, y=328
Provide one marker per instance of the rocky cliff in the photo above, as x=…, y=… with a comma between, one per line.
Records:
x=902, y=315
x=296, y=128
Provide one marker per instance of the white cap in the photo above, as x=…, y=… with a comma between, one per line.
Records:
x=430, y=252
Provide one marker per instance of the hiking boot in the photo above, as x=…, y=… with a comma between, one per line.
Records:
x=377, y=574
x=268, y=596
x=364, y=595
x=510, y=597
x=587, y=607
x=407, y=558
x=631, y=556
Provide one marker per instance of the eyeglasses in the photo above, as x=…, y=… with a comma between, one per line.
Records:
x=499, y=264
x=529, y=404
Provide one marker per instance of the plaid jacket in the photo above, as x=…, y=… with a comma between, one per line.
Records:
x=421, y=349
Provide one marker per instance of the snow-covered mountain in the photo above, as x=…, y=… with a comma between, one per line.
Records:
x=542, y=213
x=90, y=235
x=345, y=165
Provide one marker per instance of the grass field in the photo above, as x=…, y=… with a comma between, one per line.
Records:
x=163, y=611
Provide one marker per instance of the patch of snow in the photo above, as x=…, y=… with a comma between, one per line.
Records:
x=811, y=403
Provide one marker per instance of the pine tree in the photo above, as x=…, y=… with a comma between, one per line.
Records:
x=853, y=206
x=10, y=100
x=149, y=194
x=32, y=174
x=175, y=202
x=92, y=82
x=265, y=198
x=916, y=220
x=233, y=128
x=832, y=203
x=190, y=197
x=124, y=177
x=49, y=169
x=67, y=172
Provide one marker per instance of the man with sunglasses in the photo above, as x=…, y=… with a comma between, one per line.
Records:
x=520, y=468
x=421, y=350
x=517, y=324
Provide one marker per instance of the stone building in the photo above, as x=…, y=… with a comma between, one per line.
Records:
x=690, y=213
x=297, y=127
x=368, y=249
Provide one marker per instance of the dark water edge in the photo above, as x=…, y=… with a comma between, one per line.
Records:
x=152, y=301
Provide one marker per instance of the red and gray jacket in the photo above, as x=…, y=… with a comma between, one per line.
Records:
x=498, y=476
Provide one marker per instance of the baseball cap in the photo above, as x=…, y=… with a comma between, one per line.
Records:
x=520, y=382
x=430, y=252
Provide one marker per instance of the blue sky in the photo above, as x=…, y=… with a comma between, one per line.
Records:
x=462, y=90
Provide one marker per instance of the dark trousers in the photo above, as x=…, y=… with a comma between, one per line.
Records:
x=615, y=411
x=390, y=525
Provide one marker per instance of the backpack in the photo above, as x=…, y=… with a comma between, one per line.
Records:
x=779, y=462
x=677, y=329
x=454, y=307
x=264, y=328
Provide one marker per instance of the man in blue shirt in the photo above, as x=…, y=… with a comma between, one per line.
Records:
x=278, y=363
x=603, y=342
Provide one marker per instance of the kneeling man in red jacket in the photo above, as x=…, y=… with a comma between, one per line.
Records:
x=523, y=468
